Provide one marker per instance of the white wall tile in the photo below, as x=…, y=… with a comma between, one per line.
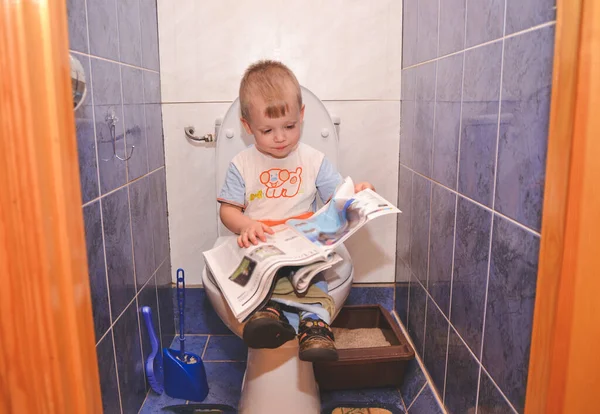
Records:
x=191, y=187
x=369, y=147
x=341, y=49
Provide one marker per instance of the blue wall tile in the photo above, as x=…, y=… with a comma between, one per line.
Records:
x=436, y=341
x=447, y=120
x=405, y=180
x=443, y=207
x=461, y=378
x=485, y=21
x=103, y=27
x=133, y=85
x=511, y=299
x=383, y=296
x=452, y=26
x=128, y=351
x=117, y=238
x=141, y=222
x=481, y=93
x=106, y=82
x=86, y=140
x=106, y=86
x=78, y=38
x=473, y=225
x=108, y=375
x=135, y=137
x=423, y=137
x=425, y=82
x=409, y=35
x=225, y=379
x=96, y=268
x=147, y=297
x=226, y=348
x=158, y=198
x=402, y=292
x=426, y=404
x=427, y=27
x=490, y=398
x=151, y=87
x=154, y=137
x=523, y=144
x=414, y=379
x=130, y=44
x=165, y=302
x=416, y=314
x=149, y=26
x=407, y=132
x=421, y=196
x=523, y=14
x=200, y=317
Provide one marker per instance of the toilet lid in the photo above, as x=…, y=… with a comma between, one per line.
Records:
x=318, y=131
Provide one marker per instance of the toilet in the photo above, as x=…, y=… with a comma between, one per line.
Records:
x=276, y=381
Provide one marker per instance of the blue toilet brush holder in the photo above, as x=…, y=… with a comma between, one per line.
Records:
x=184, y=373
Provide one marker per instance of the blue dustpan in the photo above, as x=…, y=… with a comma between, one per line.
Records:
x=185, y=377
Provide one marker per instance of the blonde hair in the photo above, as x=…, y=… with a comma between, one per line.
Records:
x=270, y=80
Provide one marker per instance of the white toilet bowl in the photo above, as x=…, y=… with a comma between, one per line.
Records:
x=276, y=381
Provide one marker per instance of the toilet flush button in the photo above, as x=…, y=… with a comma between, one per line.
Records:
x=324, y=132
x=229, y=133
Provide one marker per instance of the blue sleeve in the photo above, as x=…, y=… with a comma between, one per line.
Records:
x=234, y=189
x=328, y=180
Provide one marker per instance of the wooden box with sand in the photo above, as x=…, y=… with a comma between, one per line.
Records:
x=372, y=349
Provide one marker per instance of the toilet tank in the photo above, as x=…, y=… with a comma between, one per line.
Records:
x=318, y=131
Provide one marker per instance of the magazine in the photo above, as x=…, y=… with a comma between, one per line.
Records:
x=304, y=248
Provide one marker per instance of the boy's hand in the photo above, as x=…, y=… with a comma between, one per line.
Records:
x=363, y=186
x=252, y=233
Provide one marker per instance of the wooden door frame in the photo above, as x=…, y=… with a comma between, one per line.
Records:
x=564, y=369
x=47, y=343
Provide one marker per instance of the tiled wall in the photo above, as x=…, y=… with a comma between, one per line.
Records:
x=124, y=202
x=347, y=53
x=476, y=85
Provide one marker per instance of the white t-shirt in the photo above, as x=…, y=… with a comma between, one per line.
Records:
x=269, y=188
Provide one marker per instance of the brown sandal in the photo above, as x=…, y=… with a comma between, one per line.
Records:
x=268, y=328
x=316, y=341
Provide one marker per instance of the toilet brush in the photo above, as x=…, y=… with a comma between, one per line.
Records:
x=184, y=373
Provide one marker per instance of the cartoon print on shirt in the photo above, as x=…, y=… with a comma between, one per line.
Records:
x=281, y=182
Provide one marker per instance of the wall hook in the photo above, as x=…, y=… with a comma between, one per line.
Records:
x=112, y=120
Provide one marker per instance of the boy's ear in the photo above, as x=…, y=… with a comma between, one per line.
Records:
x=302, y=113
x=246, y=126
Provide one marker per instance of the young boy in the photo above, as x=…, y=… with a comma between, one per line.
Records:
x=273, y=180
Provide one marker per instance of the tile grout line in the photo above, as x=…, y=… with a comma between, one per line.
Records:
x=462, y=86
x=499, y=390
x=110, y=315
x=522, y=32
x=89, y=55
x=120, y=187
x=428, y=380
x=205, y=347
x=417, y=396
x=489, y=258
x=127, y=306
x=496, y=213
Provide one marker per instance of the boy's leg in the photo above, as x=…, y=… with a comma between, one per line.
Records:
x=315, y=334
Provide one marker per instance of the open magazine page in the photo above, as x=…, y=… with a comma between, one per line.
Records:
x=245, y=275
x=342, y=216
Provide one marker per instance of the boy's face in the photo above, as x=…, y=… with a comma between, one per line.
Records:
x=275, y=136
